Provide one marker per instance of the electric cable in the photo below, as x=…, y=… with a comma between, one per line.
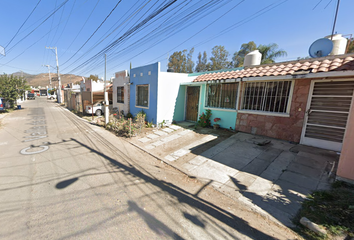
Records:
x=94, y=31
x=23, y=23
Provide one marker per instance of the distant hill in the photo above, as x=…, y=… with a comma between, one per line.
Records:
x=43, y=79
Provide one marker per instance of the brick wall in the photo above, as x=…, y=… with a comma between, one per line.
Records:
x=285, y=128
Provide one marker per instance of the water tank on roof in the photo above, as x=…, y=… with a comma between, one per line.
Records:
x=252, y=59
x=339, y=44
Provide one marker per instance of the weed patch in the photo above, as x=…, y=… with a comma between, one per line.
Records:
x=332, y=209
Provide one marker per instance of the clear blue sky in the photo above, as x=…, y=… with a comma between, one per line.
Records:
x=144, y=32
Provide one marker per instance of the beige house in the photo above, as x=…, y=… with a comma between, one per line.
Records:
x=121, y=94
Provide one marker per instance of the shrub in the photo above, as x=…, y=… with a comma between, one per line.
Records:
x=204, y=118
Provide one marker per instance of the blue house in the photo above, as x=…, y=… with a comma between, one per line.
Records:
x=157, y=93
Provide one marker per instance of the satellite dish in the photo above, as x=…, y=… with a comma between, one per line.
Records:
x=321, y=47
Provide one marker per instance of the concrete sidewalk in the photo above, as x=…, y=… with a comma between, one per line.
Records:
x=272, y=176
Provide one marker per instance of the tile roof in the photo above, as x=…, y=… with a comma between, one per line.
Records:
x=313, y=65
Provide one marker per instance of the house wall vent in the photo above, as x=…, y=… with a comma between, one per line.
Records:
x=339, y=44
x=252, y=59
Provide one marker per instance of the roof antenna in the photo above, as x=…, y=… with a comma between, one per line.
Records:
x=335, y=20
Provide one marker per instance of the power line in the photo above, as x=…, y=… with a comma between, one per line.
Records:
x=82, y=26
x=39, y=24
x=94, y=31
x=23, y=24
x=179, y=22
x=129, y=32
x=104, y=38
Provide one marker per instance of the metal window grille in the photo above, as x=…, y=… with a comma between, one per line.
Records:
x=142, y=95
x=266, y=96
x=120, y=94
x=222, y=95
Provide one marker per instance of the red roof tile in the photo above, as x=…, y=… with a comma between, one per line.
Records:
x=314, y=65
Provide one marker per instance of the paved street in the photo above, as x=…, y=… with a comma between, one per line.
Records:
x=62, y=178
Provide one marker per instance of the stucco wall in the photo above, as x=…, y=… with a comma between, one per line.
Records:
x=168, y=91
x=140, y=76
x=179, y=107
x=121, y=80
x=228, y=117
x=345, y=169
x=286, y=128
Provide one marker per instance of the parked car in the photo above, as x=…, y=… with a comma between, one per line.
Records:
x=51, y=97
x=98, y=108
x=31, y=96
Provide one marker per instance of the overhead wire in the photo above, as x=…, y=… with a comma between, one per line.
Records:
x=78, y=33
x=39, y=24
x=56, y=31
x=104, y=38
x=172, y=25
x=118, y=41
x=129, y=32
x=42, y=37
x=23, y=24
x=95, y=31
x=171, y=29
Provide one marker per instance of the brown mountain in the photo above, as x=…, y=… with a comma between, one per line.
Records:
x=43, y=79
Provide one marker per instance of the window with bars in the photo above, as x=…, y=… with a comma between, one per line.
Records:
x=222, y=95
x=270, y=96
x=120, y=94
x=142, y=95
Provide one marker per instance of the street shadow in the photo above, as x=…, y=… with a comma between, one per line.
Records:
x=154, y=224
x=66, y=183
x=185, y=197
x=194, y=219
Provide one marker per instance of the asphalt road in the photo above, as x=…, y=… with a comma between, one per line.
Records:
x=62, y=178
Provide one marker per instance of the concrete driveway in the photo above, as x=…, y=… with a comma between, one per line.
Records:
x=272, y=176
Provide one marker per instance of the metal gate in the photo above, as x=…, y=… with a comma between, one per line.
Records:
x=327, y=113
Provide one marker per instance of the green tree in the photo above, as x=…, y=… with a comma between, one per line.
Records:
x=177, y=61
x=202, y=63
x=270, y=52
x=239, y=57
x=190, y=63
x=12, y=87
x=219, y=59
x=93, y=77
x=181, y=62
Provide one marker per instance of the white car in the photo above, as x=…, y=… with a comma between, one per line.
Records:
x=98, y=109
x=51, y=97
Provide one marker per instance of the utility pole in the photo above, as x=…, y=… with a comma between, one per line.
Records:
x=50, y=79
x=106, y=101
x=59, y=82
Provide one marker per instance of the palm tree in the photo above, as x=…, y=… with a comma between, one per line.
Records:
x=270, y=52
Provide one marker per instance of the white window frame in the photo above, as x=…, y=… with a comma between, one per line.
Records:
x=269, y=113
x=136, y=96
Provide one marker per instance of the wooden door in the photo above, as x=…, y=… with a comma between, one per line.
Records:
x=327, y=114
x=192, y=103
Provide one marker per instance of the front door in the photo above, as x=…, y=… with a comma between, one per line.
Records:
x=327, y=114
x=192, y=103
